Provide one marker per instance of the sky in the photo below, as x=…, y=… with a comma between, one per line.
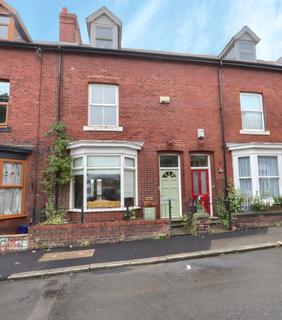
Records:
x=193, y=26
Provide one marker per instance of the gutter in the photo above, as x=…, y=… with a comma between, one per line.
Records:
x=16, y=149
x=58, y=115
x=35, y=217
x=139, y=54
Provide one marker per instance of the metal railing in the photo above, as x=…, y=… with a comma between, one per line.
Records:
x=166, y=209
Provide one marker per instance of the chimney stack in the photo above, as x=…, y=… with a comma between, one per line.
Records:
x=69, y=27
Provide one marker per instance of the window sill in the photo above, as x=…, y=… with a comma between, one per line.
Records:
x=5, y=129
x=254, y=132
x=103, y=210
x=102, y=128
x=12, y=216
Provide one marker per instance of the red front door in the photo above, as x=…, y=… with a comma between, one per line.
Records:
x=200, y=187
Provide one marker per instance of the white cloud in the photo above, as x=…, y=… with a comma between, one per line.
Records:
x=192, y=33
x=264, y=18
x=134, y=30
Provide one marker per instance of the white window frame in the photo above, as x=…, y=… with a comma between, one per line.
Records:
x=102, y=127
x=252, y=51
x=101, y=26
x=271, y=177
x=104, y=148
x=253, y=131
x=253, y=151
x=248, y=177
x=8, y=26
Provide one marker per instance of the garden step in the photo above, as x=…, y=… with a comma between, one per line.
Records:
x=177, y=224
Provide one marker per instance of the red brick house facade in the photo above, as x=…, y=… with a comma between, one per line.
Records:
x=146, y=126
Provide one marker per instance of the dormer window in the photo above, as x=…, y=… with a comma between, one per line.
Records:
x=247, y=50
x=4, y=27
x=242, y=46
x=104, y=29
x=104, y=37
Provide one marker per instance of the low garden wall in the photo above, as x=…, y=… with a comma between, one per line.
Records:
x=256, y=220
x=14, y=242
x=50, y=236
x=201, y=223
x=75, y=217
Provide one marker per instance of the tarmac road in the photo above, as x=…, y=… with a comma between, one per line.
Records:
x=239, y=286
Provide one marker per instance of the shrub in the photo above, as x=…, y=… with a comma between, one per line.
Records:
x=130, y=214
x=195, y=220
x=277, y=200
x=234, y=198
x=54, y=215
x=260, y=204
x=221, y=211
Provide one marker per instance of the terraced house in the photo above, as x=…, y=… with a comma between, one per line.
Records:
x=147, y=126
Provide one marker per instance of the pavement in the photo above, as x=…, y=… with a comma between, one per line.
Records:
x=100, y=256
x=243, y=286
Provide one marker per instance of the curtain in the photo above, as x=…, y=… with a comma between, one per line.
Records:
x=246, y=188
x=269, y=187
x=252, y=120
x=268, y=172
x=245, y=176
x=129, y=183
x=244, y=167
x=268, y=166
x=12, y=173
x=10, y=201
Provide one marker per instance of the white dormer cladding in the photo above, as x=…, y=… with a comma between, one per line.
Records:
x=104, y=29
x=242, y=46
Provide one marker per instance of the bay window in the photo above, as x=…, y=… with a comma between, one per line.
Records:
x=257, y=169
x=11, y=187
x=104, y=181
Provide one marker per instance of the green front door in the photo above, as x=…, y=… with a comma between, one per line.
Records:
x=170, y=190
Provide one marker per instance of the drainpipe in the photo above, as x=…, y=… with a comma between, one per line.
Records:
x=58, y=113
x=221, y=108
x=58, y=116
x=39, y=53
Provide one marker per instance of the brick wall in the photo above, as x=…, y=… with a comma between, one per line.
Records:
x=192, y=87
x=172, y=128
x=43, y=236
x=69, y=28
x=13, y=243
x=255, y=220
x=96, y=217
x=32, y=109
x=267, y=83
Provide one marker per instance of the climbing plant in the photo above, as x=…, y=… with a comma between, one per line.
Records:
x=58, y=168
